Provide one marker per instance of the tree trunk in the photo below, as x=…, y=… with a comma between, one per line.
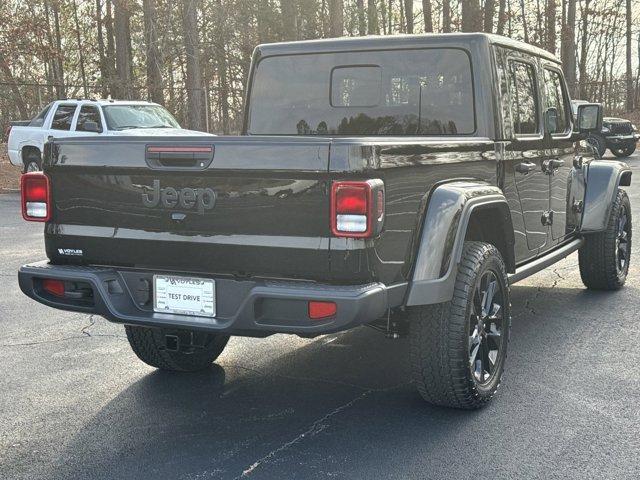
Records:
x=102, y=61
x=83, y=73
x=551, y=25
x=629, y=103
x=471, y=19
x=408, y=12
x=154, y=73
x=221, y=64
x=569, y=46
x=502, y=16
x=446, y=16
x=372, y=18
x=582, y=68
x=428, y=16
x=122, y=31
x=289, y=19
x=336, y=16
x=362, y=20
x=61, y=91
x=110, y=57
x=525, y=28
x=193, y=80
x=489, y=12
x=5, y=71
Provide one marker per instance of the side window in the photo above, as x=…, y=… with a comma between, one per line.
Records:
x=88, y=113
x=63, y=116
x=524, y=104
x=556, y=101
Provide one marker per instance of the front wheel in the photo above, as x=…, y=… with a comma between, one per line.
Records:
x=174, y=349
x=626, y=151
x=458, y=348
x=604, y=257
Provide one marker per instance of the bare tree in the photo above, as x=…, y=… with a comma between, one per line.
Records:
x=336, y=16
x=502, y=17
x=372, y=17
x=569, y=46
x=122, y=32
x=408, y=9
x=154, y=74
x=289, y=19
x=428, y=16
x=193, y=77
x=471, y=18
x=629, y=102
x=83, y=73
x=446, y=16
x=550, y=15
x=489, y=12
x=582, y=67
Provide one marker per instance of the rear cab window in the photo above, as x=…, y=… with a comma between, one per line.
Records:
x=388, y=92
x=88, y=113
x=38, y=120
x=63, y=117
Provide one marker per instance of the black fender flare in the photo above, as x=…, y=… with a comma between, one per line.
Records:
x=450, y=207
x=603, y=179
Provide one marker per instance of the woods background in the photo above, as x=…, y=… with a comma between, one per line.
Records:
x=193, y=56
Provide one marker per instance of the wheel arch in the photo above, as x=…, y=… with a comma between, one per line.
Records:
x=27, y=149
x=456, y=212
x=603, y=179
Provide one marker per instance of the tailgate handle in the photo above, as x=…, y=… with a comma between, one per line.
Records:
x=182, y=157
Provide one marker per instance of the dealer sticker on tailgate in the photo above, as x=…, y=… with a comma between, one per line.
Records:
x=184, y=295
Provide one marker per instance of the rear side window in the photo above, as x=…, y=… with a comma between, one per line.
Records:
x=391, y=92
x=88, y=113
x=63, y=116
x=556, y=99
x=524, y=98
x=38, y=120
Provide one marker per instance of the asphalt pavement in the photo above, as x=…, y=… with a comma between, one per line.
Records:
x=76, y=403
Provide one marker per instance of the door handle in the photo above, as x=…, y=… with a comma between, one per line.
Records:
x=525, y=167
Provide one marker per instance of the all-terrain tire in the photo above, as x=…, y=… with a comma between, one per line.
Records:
x=440, y=335
x=150, y=345
x=599, y=143
x=624, y=151
x=600, y=255
x=32, y=162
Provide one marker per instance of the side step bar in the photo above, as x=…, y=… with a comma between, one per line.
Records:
x=541, y=263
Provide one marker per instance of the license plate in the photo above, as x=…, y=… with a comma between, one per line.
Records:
x=184, y=295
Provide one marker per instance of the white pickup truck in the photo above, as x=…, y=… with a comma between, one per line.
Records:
x=68, y=118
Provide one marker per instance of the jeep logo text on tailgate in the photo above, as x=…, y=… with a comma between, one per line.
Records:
x=187, y=198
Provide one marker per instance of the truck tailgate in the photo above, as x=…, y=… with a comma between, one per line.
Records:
x=250, y=206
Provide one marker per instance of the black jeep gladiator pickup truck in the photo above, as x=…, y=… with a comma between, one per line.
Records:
x=400, y=182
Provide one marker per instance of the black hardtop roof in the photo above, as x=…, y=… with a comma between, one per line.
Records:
x=398, y=41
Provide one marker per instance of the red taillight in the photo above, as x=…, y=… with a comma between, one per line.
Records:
x=36, y=198
x=54, y=287
x=357, y=208
x=319, y=310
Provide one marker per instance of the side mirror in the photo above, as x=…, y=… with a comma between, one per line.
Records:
x=551, y=120
x=90, y=126
x=589, y=118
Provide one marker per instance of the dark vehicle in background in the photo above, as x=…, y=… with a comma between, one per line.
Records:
x=398, y=182
x=618, y=135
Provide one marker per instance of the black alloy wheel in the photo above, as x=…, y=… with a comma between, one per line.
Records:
x=485, y=335
x=623, y=235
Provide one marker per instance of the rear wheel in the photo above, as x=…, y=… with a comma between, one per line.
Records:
x=624, y=151
x=32, y=162
x=458, y=348
x=604, y=257
x=598, y=142
x=175, y=350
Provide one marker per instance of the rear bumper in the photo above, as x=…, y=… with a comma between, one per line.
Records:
x=244, y=307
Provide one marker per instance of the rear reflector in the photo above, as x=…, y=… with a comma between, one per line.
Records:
x=318, y=310
x=54, y=287
x=35, y=193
